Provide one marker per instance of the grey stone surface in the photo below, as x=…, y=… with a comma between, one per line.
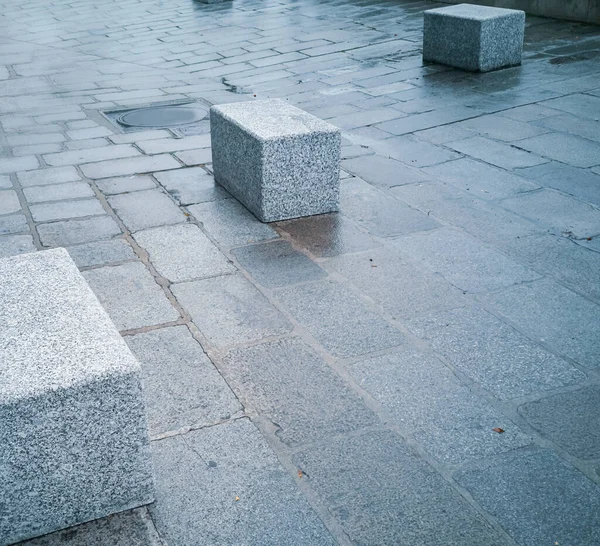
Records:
x=130, y=295
x=5, y=182
x=382, y=171
x=183, y=253
x=561, y=319
x=561, y=214
x=390, y=496
x=223, y=485
x=11, y=245
x=13, y=223
x=286, y=382
x=556, y=503
x=125, y=184
x=73, y=232
x=58, y=192
x=563, y=147
x=128, y=165
x=491, y=353
x=462, y=261
x=378, y=213
x=426, y=399
x=9, y=202
x=230, y=224
x=402, y=289
x=277, y=264
x=101, y=252
x=61, y=210
x=65, y=369
x=53, y=175
x=145, y=209
x=181, y=386
x=277, y=160
x=129, y=528
x=474, y=38
x=327, y=235
x=338, y=319
x=229, y=310
x=190, y=186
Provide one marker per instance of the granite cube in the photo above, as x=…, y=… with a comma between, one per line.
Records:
x=73, y=437
x=278, y=161
x=474, y=38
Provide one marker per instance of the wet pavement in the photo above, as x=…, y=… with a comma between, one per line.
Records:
x=421, y=368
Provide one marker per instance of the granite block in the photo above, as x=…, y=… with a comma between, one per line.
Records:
x=277, y=160
x=63, y=461
x=474, y=38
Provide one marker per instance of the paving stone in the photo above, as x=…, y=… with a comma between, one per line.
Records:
x=52, y=175
x=130, y=295
x=92, y=132
x=78, y=157
x=9, y=202
x=181, y=386
x=84, y=144
x=327, y=235
x=499, y=127
x=482, y=180
x=129, y=138
x=183, y=253
x=569, y=419
x=200, y=476
x=229, y=310
x=414, y=152
x=379, y=272
x=230, y=224
x=444, y=133
x=286, y=382
x=529, y=112
x=561, y=214
x=580, y=104
x=16, y=164
x=567, y=123
x=58, y=192
x=73, y=232
x=125, y=184
x=195, y=157
x=5, y=182
x=190, y=186
x=11, y=245
x=14, y=223
x=143, y=209
x=426, y=399
x=566, y=148
x=530, y=481
x=66, y=209
x=129, y=166
x=338, y=319
x=380, y=214
x=382, y=171
x=493, y=354
x=160, y=146
x=382, y=493
x=122, y=529
x=497, y=153
x=563, y=320
x=277, y=264
x=463, y=261
x=426, y=120
x=101, y=253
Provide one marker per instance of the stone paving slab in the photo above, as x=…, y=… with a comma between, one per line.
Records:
x=73, y=232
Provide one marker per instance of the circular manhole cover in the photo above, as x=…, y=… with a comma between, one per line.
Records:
x=161, y=116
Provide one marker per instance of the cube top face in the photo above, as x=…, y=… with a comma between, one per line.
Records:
x=54, y=334
x=474, y=12
x=272, y=119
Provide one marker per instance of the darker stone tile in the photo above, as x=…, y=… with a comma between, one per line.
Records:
x=277, y=264
x=224, y=485
x=327, y=235
x=286, y=382
x=380, y=214
x=537, y=497
x=144, y=209
x=381, y=493
x=563, y=147
x=101, y=252
x=73, y=232
x=586, y=106
x=190, y=186
x=338, y=319
x=382, y=171
x=414, y=152
x=570, y=419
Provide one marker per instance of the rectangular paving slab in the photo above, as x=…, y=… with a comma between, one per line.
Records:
x=73, y=232
x=190, y=186
x=563, y=147
x=224, y=485
x=144, y=209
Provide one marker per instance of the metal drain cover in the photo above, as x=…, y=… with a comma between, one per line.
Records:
x=162, y=116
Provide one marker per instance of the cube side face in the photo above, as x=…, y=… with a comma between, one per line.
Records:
x=301, y=176
x=237, y=160
x=73, y=455
x=452, y=41
x=502, y=41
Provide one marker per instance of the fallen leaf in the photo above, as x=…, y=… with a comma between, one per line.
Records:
x=498, y=430
x=300, y=473
x=237, y=498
